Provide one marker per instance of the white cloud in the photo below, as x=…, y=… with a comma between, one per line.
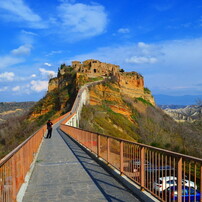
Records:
x=29, y=33
x=54, y=52
x=9, y=61
x=26, y=37
x=48, y=73
x=5, y=88
x=123, y=30
x=18, y=11
x=82, y=20
x=143, y=45
x=33, y=75
x=7, y=76
x=141, y=60
x=16, y=88
x=39, y=86
x=47, y=64
x=22, y=50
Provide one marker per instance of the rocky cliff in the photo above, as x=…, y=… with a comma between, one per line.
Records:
x=128, y=83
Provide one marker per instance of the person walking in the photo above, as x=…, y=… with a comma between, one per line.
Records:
x=49, y=128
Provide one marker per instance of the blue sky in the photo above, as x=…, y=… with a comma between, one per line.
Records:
x=161, y=39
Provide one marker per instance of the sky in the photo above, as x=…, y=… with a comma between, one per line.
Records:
x=160, y=39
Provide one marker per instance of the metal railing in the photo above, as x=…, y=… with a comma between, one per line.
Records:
x=166, y=175
x=15, y=165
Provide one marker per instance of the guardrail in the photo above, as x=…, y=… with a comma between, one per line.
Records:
x=166, y=175
x=15, y=165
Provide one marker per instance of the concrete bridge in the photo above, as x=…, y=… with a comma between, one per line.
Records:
x=65, y=172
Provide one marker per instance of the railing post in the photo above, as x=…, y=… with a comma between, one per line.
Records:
x=13, y=178
x=98, y=146
x=108, y=149
x=142, y=168
x=179, y=180
x=121, y=157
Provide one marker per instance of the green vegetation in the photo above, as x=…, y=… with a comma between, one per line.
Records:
x=83, y=79
x=147, y=91
x=144, y=101
x=103, y=120
x=14, y=131
x=111, y=85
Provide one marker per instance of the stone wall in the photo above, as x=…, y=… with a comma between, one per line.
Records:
x=95, y=68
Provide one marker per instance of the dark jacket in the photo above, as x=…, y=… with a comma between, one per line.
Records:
x=49, y=125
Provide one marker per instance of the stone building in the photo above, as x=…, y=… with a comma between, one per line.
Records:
x=95, y=68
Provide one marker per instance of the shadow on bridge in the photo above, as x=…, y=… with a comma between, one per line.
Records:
x=106, y=183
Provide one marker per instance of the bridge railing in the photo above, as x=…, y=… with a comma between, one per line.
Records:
x=148, y=166
x=15, y=165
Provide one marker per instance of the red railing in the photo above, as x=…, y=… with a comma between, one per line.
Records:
x=155, y=170
x=15, y=166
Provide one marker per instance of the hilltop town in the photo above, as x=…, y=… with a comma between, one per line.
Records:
x=130, y=83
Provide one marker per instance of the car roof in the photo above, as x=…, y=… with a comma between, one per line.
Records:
x=167, y=178
x=183, y=187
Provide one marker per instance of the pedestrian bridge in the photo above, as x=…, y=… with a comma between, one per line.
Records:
x=77, y=165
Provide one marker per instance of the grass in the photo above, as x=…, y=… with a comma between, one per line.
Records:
x=143, y=101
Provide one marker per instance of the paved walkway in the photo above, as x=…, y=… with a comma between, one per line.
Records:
x=64, y=172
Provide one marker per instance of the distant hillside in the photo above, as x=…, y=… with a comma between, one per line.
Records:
x=11, y=106
x=172, y=106
x=13, y=109
x=189, y=113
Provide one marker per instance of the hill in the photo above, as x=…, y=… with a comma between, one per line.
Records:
x=189, y=113
x=119, y=106
x=13, y=109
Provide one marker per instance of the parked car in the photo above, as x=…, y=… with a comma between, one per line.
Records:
x=162, y=169
x=164, y=182
x=188, y=194
x=134, y=165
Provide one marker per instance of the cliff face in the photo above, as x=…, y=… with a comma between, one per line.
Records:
x=109, y=93
x=132, y=84
x=60, y=96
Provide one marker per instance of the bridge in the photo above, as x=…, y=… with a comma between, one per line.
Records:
x=77, y=165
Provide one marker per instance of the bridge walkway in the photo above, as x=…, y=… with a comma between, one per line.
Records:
x=64, y=172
